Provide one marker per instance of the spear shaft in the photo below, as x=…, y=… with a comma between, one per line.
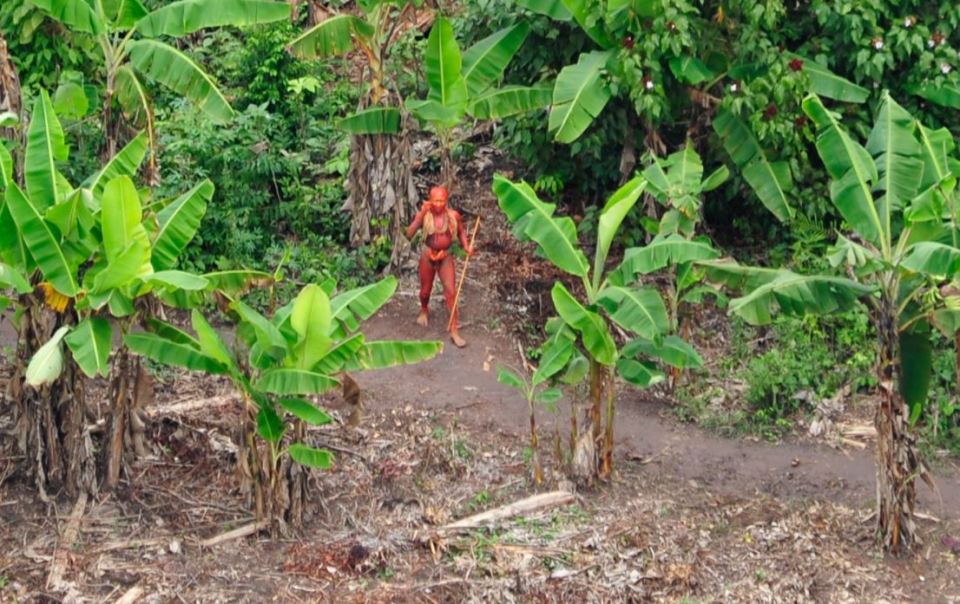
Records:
x=463, y=275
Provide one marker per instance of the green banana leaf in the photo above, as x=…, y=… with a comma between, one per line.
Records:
x=178, y=72
x=533, y=220
x=179, y=222
x=589, y=324
x=76, y=14
x=91, y=342
x=293, y=382
x=42, y=243
x=579, y=96
x=187, y=16
x=376, y=120
x=639, y=310
x=485, y=61
x=45, y=147
x=509, y=101
x=169, y=352
x=330, y=37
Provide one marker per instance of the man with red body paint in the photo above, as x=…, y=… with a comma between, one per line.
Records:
x=441, y=226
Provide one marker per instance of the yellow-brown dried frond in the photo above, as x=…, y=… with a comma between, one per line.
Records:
x=54, y=300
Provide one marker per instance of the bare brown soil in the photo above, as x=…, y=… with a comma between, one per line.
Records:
x=688, y=517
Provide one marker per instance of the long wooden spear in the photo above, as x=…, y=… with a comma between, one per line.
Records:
x=463, y=275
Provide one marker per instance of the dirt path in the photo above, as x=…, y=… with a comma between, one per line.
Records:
x=465, y=381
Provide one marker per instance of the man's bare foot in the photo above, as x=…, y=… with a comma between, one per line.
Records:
x=422, y=319
x=457, y=340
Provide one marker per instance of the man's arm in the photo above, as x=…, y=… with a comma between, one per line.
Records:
x=417, y=222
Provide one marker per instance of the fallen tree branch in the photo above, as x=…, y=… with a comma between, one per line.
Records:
x=237, y=533
x=132, y=595
x=58, y=564
x=524, y=506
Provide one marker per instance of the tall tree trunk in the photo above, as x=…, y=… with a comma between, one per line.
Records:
x=898, y=461
x=131, y=389
x=381, y=189
x=50, y=421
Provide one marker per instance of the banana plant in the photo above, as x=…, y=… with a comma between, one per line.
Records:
x=103, y=258
x=677, y=183
x=380, y=178
x=307, y=348
x=610, y=303
x=132, y=39
x=901, y=258
x=462, y=85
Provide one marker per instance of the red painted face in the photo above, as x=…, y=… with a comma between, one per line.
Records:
x=438, y=200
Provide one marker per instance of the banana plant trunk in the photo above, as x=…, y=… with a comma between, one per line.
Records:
x=589, y=446
x=50, y=421
x=274, y=485
x=130, y=390
x=383, y=195
x=10, y=97
x=898, y=461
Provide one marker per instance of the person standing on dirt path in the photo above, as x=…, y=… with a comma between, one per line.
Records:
x=441, y=226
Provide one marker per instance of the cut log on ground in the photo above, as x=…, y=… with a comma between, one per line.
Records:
x=535, y=503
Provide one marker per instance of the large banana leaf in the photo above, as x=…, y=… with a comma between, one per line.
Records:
x=443, y=66
x=11, y=277
x=672, y=350
x=435, y=112
x=42, y=243
x=77, y=14
x=484, y=62
x=771, y=181
x=376, y=120
x=177, y=280
x=125, y=163
x=591, y=326
x=310, y=318
x=932, y=258
x=557, y=352
x=178, y=72
x=135, y=102
x=236, y=282
x=736, y=276
x=293, y=382
x=339, y=355
x=639, y=373
x=639, y=310
x=305, y=411
x=122, y=269
x=47, y=362
x=690, y=70
x=120, y=217
x=168, y=352
x=579, y=96
x=554, y=9
x=825, y=83
x=210, y=342
x=662, y=252
x=615, y=210
x=91, y=342
x=179, y=222
x=509, y=101
x=534, y=220
x=896, y=152
x=678, y=175
x=187, y=16
x=853, y=171
x=391, y=353
x=330, y=37
x=359, y=304
x=124, y=13
x=45, y=147
x=267, y=335
x=791, y=293
x=946, y=95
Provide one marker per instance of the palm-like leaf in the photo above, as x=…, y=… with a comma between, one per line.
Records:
x=534, y=220
x=663, y=252
x=294, y=382
x=330, y=37
x=310, y=318
x=946, y=95
x=484, y=62
x=825, y=83
x=320, y=459
x=169, y=352
x=90, y=342
x=590, y=325
x=179, y=222
x=125, y=163
x=187, y=16
x=554, y=9
x=443, y=66
x=376, y=120
x=579, y=96
x=392, y=353
x=121, y=214
x=41, y=242
x=933, y=259
x=896, y=151
x=77, y=14
x=509, y=101
x=45, y=147
x=6, y=168
x=178, y=72
x=672, y=350
x=853, y=171
x=583, y=14
x=639, y=310
x=615, y=210
x=359, y=304
x=771, y=181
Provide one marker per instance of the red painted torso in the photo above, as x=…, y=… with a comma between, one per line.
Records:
x=442, y=239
